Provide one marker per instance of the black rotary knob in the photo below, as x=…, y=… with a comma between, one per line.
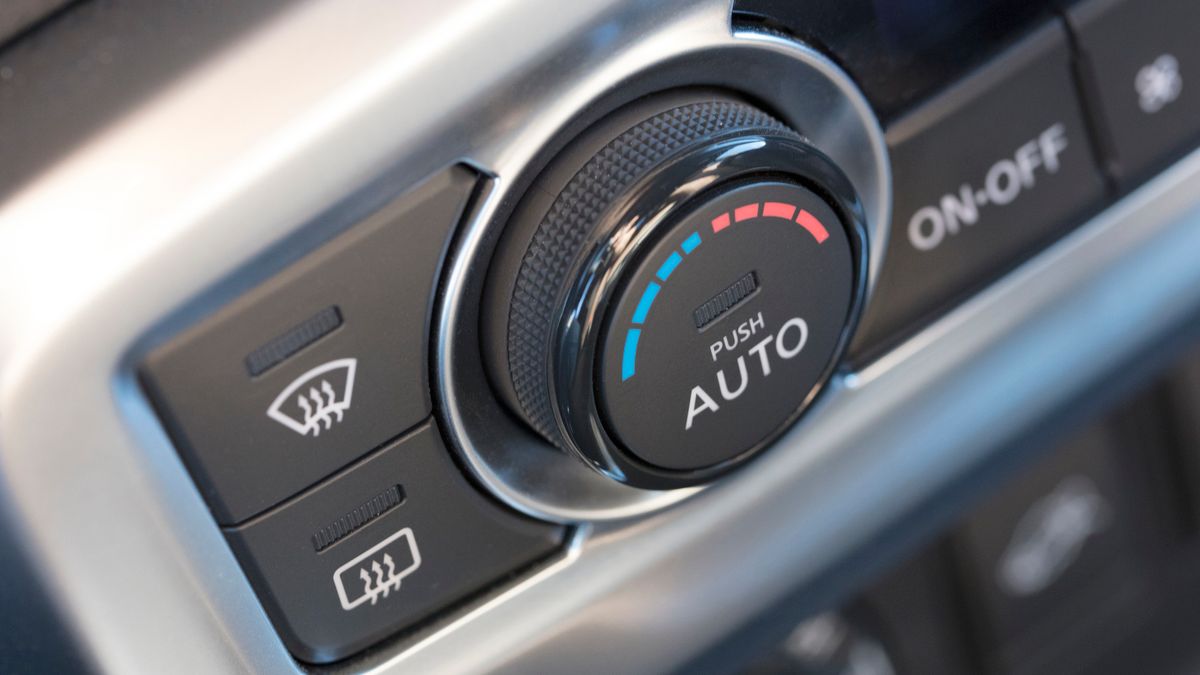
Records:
x=675, y=289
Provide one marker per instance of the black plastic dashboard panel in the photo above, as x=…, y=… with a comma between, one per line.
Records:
x=432, y=546
x=146, y=231
x=318, y=365
x=901, y=53
x=1136, y=56
x=986, y=173
x=302, y=410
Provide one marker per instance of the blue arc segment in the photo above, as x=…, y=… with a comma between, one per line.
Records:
x=643, y=306
x=629, y=357
x=669, y=266
x=632, y=335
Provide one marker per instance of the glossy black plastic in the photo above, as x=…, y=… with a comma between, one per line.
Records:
x=684, y=392
x=648, y=208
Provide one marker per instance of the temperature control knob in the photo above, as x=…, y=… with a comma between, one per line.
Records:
x=675, y=290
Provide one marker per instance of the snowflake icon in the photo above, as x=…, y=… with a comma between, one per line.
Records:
x=1158, y=84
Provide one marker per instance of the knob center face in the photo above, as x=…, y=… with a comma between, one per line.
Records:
x=724, y=328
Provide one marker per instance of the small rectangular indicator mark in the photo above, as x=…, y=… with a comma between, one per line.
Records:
x=296, y=338
x=629, y=356
x=809, y=222
x=778, y=210
x=722, y=302
x=746, y=212
x=669, y=266
x=643, y=306
x=691, y=242
x=355, y=520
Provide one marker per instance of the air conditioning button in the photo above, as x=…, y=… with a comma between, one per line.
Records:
x=726, y=325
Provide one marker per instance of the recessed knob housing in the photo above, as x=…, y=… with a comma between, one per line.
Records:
x=675, y=289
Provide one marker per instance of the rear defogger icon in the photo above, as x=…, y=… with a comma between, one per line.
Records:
x=316, y=400
x=376, y=573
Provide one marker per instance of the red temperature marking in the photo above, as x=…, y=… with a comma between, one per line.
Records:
x=745, y=212
x=778, y=210
x=809, y=222
x=720, y=222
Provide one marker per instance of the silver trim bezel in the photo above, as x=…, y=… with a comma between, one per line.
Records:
x=825, y=106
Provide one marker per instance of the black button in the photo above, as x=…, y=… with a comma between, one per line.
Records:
x=726, y=326
x=1145, y=62
x=1056, y=553
x=828, y=643
x=1183, y=389
x=921, y=615
x=983, y=176
x=315, y=367
x=380, y=547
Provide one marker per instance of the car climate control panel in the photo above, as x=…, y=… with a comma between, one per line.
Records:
x=426, y=397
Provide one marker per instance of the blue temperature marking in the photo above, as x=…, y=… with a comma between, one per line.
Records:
x=669, y=266
x=643, y=306
x=629, y=358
